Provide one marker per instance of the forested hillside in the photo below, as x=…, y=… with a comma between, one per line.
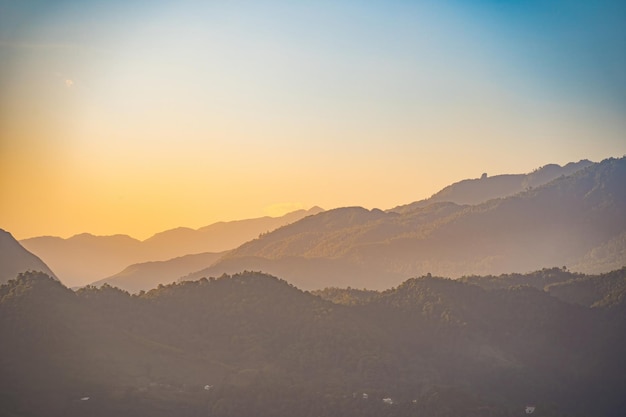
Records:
x=252, y=344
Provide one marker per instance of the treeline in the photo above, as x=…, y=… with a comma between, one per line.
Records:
x=252, y=344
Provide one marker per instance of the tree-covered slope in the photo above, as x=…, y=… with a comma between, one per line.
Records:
x=251, y=344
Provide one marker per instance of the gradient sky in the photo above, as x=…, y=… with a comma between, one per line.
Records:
x=138, y=116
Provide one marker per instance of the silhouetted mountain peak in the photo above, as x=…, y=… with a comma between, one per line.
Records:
x=14, y=259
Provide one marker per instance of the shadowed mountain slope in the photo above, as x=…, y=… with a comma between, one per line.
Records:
x=14, y=258
x=558, y=223
x=148, y=275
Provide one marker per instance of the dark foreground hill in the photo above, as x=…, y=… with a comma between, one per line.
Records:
x=577, y=220
x=253, y=345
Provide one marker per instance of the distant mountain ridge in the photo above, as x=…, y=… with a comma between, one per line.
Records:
x=479, y=190
x=355, y=246
x=85, y=258
x=558, y=223
x=14, y=259
x=148, y=275
x=220, y=236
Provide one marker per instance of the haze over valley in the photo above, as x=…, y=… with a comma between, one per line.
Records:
x=85, y=258
x=374, y=249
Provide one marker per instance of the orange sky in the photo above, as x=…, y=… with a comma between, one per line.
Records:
x=133, y=119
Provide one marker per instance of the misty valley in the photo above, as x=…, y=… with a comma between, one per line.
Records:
x=498, y=296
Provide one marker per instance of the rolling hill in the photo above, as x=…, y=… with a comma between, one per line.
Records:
x=252, y=344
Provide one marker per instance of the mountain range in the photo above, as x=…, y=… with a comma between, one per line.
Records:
x=533, y=320
x=576, y=220
x=479, y=190
x=85, y=258
x=553, y=216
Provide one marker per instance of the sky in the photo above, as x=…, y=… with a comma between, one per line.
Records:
x=134, y=117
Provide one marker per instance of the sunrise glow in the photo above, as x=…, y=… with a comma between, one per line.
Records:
x=125, y=117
